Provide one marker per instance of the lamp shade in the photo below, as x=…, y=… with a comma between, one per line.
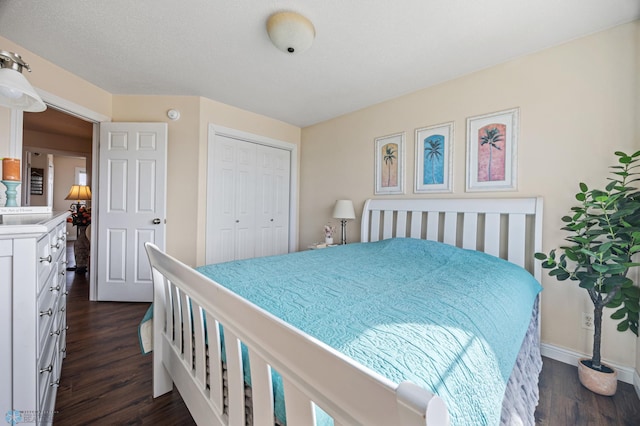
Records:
x=344, y=210
x=290, y=32
x=79, y=193
x=15, y=90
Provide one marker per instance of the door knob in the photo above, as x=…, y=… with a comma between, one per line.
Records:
x=156, y=221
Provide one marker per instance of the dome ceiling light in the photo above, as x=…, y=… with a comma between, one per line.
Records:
x=290, y=32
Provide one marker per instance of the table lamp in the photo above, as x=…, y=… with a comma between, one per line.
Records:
x=344, y=211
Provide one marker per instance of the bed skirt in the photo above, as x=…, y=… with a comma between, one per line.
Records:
x=521, y=395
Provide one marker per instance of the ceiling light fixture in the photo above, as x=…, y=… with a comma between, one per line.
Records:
x=15, y=90
x=290, y=32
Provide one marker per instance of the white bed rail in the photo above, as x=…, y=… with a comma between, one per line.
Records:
x=510, y=228
x=311, y=371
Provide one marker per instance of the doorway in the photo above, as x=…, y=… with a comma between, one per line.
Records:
x=57, y=150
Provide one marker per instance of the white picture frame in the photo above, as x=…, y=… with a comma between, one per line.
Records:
x=389, y=164
x=492, y=151
x=434, y=160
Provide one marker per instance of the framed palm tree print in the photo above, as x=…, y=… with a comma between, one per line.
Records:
x=433, y=158
x=492, y=151
x=389, y=166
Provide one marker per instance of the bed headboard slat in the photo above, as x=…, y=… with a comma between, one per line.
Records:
x=401, y=227
x=517, y=233
x=510, y=228
x=387, y=225
x=433, y=224
x=470, y=231
x=450, y=228
x=492, y=234
x=416, y=224
x=375, y=224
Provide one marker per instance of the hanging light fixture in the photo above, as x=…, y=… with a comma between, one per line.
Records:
x=15, y=90
x=290, y=32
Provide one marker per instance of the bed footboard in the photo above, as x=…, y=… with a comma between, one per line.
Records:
x=187, y=304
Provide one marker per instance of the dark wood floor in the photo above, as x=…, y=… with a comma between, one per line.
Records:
x=107, y=381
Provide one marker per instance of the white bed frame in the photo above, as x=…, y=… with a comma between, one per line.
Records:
x=312, y=371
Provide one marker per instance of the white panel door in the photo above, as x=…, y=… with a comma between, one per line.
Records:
x=245, y=200
x=132, y=206
x=234, y=194
x=272, y=201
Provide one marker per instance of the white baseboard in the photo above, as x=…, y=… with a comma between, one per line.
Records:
x=625, y=374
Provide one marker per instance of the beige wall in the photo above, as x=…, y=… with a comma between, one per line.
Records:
x=578, y=104
x=182, y=161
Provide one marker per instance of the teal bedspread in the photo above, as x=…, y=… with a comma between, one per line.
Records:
x=447, y=319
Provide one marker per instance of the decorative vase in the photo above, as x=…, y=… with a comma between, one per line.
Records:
x=11, y=192
x=81, y=249
x=603, y=382
x=328, y=240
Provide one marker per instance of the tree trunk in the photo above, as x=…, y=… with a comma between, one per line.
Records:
x=597, y=336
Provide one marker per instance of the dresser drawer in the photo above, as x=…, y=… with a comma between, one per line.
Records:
x=47, y=314
x=47, y=368
x=44, y=259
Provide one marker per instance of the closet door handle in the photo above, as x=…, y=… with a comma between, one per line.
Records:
x=157, y=221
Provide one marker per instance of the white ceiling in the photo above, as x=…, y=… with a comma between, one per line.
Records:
x=365, y=51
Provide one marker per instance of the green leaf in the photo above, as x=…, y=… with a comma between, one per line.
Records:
x=600, y=268
x=540, y=256
x=614, y=304
x=632, y=292
x=583, y=187
x=619, y=314
x=623, y=326
x=581, y=196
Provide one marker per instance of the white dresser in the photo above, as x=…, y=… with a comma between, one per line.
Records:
x=32, y=314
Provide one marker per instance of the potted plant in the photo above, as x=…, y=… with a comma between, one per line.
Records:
x=604, y=235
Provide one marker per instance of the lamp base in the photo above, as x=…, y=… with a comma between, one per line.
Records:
x=344, y=231
x=11, y=192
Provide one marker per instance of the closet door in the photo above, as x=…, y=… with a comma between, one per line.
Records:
x=245, y=200
x=272, y=201
x=233, y=181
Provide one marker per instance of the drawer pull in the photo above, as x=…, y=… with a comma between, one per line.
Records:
x=47, y=312
x=65, y=292
x=63, y=272
x=63, y=350
x=48, y=369
x=56, y=246
x=62, y=238
x=57, y=333
x=65, y=262
x=55, y=384
x=56, y=288
x=46, y=259
x=64, y=308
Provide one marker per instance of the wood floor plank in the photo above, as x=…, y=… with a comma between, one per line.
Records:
x=107, y=381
